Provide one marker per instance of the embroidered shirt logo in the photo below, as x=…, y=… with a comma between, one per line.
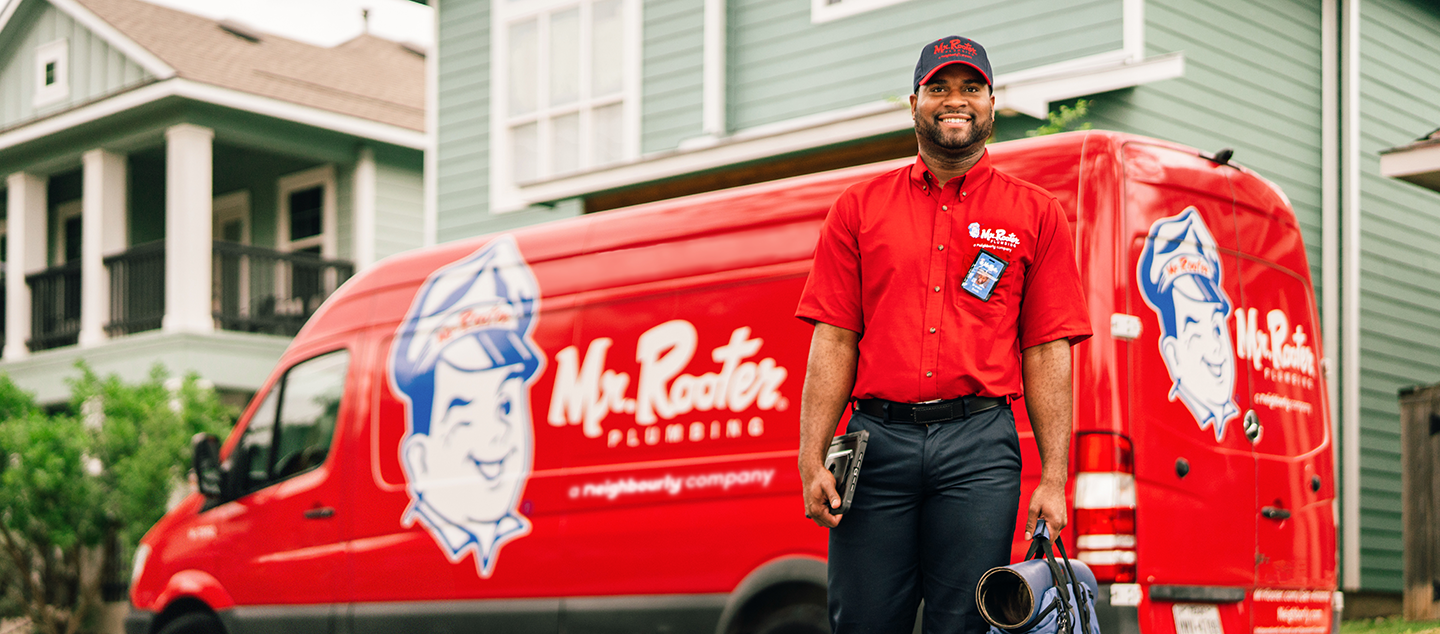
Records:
x=994, y=238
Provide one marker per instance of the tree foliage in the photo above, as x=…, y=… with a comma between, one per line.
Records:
x=79, y=487
x=1064, y=119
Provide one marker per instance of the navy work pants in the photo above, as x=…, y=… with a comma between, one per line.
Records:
x=934, y=508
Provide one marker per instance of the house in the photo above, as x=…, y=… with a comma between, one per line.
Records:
x=184, y=191
x=554, y=108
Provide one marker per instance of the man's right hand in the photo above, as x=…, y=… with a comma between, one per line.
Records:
x=819, y=485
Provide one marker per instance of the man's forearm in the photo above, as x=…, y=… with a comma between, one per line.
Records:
x=1049, y=401
x=829, y=378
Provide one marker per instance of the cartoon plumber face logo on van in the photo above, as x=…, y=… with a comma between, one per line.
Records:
x=1180, y=277
x=462, y=361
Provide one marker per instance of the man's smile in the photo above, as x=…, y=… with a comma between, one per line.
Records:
x=955, y=119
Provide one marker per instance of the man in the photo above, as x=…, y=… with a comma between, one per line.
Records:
x=461, y=360
x=1180, y=277
x=936, y=290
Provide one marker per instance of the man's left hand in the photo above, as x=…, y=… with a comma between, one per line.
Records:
x=1048, y=501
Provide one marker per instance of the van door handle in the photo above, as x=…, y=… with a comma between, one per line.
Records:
x=1274, y=513
x=319, y=513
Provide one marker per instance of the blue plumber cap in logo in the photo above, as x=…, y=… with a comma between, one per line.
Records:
x=475, y=314
x=1181, y=251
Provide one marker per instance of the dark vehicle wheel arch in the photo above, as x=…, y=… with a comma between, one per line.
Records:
x=783, y=589
x=187, y=616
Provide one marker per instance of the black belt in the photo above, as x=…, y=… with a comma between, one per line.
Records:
x=924, y=413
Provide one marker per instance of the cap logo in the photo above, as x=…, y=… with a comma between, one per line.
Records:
x=954, y=47
x=1185, y=265
x=476, y=318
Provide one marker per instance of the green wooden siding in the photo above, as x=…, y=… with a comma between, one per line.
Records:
x=399, y=207
x=1400, y=228
x=672, y=91
x=783, y=67
x=95, y=68
x=464, y=127
x=345, y=211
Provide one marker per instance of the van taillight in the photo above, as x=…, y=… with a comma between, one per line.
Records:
x=1105, y=505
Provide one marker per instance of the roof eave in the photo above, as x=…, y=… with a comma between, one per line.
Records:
x=104, y=30
x=1417, y=163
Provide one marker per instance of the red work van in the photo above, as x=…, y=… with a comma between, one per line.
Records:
x=591, y=425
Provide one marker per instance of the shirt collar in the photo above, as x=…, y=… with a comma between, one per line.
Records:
x=978, y=174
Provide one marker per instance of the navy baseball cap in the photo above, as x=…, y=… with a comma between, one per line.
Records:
x=952, y=50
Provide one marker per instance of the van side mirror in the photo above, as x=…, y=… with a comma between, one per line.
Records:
x=206, y=464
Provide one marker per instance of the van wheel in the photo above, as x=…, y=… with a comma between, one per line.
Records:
x=802, y=618
x=193, y=623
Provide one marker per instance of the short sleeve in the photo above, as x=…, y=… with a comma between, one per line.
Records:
x=832, y=292
x=1054, y=305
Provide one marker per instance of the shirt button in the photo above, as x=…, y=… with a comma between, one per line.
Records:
x=941, y=247
x=932, y=331
x=944, y=207
x=937, y=289
x=929, y=374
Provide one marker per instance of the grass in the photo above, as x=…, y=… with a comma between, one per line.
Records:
x=1391, y=625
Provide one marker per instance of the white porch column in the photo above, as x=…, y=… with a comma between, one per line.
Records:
x=363, y=208
x=188, y=193
x=25, y=226
x=103, y=233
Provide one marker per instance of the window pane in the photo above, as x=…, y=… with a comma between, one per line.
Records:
x=305, y=212
x=524, y=65
x=607, y=56
x=565, y=57
x=308, y=411
x=609, y=134
x=565, y=143
x=251, y=460
x=525, y=152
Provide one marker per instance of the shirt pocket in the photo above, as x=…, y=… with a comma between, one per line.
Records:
x=979, y=270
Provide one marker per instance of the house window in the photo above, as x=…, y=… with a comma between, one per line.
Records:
x=307, y=212
x=567, y=84
x=828, y=10
x=52, y=76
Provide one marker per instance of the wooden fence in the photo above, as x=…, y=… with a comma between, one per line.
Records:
x=1420, y=495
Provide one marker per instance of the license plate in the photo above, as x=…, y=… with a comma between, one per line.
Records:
x=1193, y=618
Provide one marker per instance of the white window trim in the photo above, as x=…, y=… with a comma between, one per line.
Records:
x=234, y=205
x=323, y=177
x=63, y=212
x=820, y=12
x=504, y=192
x=57, y=52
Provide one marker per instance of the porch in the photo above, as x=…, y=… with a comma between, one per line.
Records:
x=181, y=235
x=253, y=289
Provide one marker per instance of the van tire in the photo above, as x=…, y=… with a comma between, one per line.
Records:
x=800, y=618
x=193, y=623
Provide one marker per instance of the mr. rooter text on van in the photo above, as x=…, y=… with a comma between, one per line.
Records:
x=585, y=393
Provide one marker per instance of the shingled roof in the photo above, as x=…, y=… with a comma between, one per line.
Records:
x=366, y=77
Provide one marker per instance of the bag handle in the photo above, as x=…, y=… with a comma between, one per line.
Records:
x=1040, y=549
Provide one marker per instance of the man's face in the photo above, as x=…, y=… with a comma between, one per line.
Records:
x=1199, y=356
x=954, y=111
x=472, y=464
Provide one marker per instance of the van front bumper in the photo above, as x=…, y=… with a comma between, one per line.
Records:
x=1116, y=619
x=139, y=621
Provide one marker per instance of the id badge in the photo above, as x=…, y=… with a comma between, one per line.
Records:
x=984, y=275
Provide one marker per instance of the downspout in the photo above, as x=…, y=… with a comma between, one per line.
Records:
x=716, y=45
x=1330, y=216
x=1350, y=302
x=430, y=220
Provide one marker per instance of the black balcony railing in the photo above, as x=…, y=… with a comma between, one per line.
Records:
x=54, y=306
x=137, y=289
x=262, y=290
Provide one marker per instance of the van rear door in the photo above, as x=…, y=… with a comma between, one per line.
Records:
x=1278, y=343
x=1194, y=470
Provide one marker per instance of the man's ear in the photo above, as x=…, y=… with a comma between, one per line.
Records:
x=413, y=454
x=912, y=107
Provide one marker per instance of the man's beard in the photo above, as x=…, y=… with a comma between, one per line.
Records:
x=930, y=129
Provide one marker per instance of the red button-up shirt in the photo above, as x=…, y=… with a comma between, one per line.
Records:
x=892, y=256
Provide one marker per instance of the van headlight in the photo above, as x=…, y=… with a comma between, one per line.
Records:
x=141, y=555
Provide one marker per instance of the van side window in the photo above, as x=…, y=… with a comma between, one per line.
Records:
x=295, y=436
